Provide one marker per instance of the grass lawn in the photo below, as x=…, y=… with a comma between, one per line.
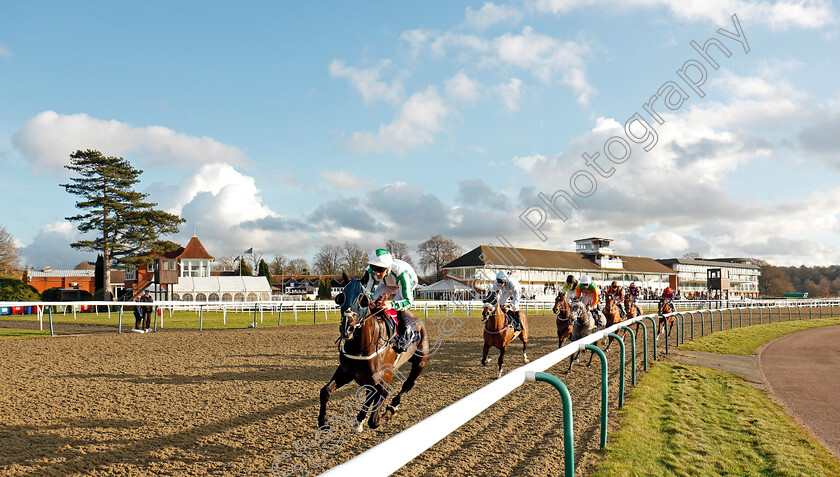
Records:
x=690, y=420
x=6, y=333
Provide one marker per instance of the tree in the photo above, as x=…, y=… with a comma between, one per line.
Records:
x=279, y=264
x=264, y=271
x=323, y=289
x=99, y=273
x=9, y=257
x=398, y=250
x=298, y=266
x=123, y=223
x=245, y=269
x=353, y=259
x=692, y=256
x=437, y=252
x=328, y=260
x=228, y=262
x=12, y=289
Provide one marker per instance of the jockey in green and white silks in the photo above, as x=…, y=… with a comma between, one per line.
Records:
x=397, y=278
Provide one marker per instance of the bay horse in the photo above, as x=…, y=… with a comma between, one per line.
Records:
x=664, y=309
x=498, y=333
x=583, y=325
x=631, y=310
x=564, y=319
x=366, y=356
x=612, y=315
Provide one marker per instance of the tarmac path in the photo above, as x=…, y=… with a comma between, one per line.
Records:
x=802, y=370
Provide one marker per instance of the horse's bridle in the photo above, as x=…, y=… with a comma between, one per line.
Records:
x=358, y=326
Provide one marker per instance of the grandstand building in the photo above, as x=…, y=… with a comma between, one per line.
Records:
x=542, y=272
x=740, y=277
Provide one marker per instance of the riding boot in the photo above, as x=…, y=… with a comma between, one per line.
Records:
x=404, y=335
x=517, y=321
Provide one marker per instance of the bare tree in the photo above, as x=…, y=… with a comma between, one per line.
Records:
x=692, y=256
x=353, y=259
x=328, y=260
x=437, y=252
x=398, y=250
x=9, y=256
x=85, y=265
x=298, y=266
x=279, y=265
x=228, y=262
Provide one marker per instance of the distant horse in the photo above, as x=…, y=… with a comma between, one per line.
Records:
x=498, y=333
x=612, y=315
x=367, y=357
x=564, y=319
x=584, y=325
x=664, y=309
x=631, y=310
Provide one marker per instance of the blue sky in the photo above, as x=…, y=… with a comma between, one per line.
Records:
x=288, y=126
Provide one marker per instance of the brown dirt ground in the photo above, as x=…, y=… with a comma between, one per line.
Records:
x=232, y=401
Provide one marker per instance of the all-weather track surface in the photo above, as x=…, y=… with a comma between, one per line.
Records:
x=231, y=402
x=803, y=371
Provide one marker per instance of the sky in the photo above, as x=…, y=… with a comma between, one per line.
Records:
x=287, y=126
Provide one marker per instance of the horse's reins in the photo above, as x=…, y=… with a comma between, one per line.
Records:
x=378, y=339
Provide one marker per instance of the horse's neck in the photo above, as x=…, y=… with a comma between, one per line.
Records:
x=497, y=320
x=369, y=335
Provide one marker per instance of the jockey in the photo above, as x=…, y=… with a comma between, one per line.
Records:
x=668, y=296
x=618, y=295
x=394, y=277
x=634, y=292
x=510, y=288
x=588, y=293
x=569, y=287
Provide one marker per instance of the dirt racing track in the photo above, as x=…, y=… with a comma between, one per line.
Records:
x=234, y=401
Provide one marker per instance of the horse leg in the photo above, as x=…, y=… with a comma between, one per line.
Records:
x=572, y=359
x=501, y=360
x=376, y=415
x=339, y=378
x=524, y=345
x=416, y=369
x=484, y=355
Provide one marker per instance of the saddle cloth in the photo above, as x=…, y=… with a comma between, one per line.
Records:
x=409, y=321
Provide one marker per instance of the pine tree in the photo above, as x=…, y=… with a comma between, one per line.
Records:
x=99, y=273
x=245, y=269
x=264, y=271
x=123, y=224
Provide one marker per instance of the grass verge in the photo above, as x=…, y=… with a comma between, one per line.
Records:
x=689, y=420
x=6, y=333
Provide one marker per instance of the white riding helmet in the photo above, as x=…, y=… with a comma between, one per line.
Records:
x=501, y=277
x=381, y=258
x=584, y=280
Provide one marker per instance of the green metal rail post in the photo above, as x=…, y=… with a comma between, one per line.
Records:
x=603, y=357
x=711, y=322
x=740, y=318
x=620, y=370
x=633, y=353
x=653, y=332
x=568, y=423
x=644, y=343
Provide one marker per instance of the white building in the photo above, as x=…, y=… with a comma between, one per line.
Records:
x=740, y=277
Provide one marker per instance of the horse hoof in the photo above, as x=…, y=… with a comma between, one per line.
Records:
x=526, y=359
x=500, y=374
x=360, y=426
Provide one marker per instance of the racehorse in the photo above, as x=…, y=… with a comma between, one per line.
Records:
x=367, y=357
x=612, y=315
x=664, y=309
x=631, y=310
x=498, y=333
x=564, y=319
x=584, y=325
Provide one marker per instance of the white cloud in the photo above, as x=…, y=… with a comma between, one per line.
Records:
x=368, y=82
x=545, y=57
x=462, y=87
x=491, y=14
x=5, y=52
x=780, y=15
x=51, y=247
x=344, y=180
x=419, y=119
x=510, y=93
x=48, y=139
